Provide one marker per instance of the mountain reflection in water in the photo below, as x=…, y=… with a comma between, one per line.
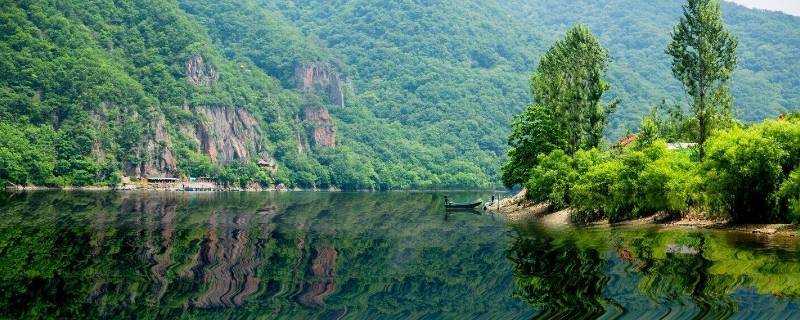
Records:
x=365, y=256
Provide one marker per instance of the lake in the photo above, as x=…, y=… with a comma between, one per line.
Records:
x=394, y=255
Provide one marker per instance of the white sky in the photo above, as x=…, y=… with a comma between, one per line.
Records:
x=788, y=6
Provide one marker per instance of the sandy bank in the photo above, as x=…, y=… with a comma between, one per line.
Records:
x=517, y=209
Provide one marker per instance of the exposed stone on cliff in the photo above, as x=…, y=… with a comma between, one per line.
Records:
x=155, y=153
x=227, y=134
x=323, y=131
x=222, y=133
x=200, y=73
x=320, y=77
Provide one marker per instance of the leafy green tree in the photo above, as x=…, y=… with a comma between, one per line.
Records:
x=703, y=58
x=552, y=179
x=533, y=132
x=638, y=182
x=569, y=82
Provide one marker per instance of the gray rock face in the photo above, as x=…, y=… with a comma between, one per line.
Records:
x=222, y=133
x=199, y=73
x=155, y=153
x=226, y=134
x=319, y=77
x=323, y=131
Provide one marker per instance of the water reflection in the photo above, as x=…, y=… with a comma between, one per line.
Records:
x=561, y=279
x=651, y=272
x=364, y=256
x=243, y=255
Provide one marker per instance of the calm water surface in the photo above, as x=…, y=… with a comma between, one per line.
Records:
x=365, y=256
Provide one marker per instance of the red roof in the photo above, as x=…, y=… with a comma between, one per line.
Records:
x=624, y=142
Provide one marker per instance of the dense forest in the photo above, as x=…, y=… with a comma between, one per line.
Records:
x=350, y=94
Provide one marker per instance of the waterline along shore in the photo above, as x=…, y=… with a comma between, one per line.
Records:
x=517, y=209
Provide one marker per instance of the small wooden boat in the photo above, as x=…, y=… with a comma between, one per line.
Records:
x=463, y=205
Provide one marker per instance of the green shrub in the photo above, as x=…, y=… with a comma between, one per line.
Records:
x=552, y=178
x=635, y=184
x=745, y=167
x=593, y=194
x=667, y=183
x=789, y=194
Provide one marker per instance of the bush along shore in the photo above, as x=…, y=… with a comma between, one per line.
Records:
x=685, y=162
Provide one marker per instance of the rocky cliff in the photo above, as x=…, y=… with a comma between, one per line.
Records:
x=320, y=77
x=223, y=133
x=154, y=153
x=199, y=73
x=321, y=127
x=227, y=134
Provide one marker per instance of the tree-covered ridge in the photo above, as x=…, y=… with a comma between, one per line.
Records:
x=105, y=87
x=422, y=60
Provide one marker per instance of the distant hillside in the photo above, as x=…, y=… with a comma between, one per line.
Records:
x=636, y=32
x=348, y=93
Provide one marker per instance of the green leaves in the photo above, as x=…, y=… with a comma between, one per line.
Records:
x=635, y=184
x=533, y=133
x=27, y=154
x=569, y=82
x=567, y=87
x=745, y=169
x=789, y=194
x=703, y=58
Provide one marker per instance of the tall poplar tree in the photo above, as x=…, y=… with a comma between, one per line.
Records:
x=569, y=81
x=567, y=112
x=703, y=58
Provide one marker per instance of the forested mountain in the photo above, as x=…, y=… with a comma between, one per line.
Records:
x=348, y=93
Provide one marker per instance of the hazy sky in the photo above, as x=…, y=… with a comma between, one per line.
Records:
x=787, y=6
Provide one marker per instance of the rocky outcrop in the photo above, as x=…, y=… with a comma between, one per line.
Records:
x=319, y=77
x=155, y=153
x=226, y=134
x=322, y=129
x=222, y=133
x=200, y=73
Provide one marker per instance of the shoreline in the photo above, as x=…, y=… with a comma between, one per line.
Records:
x=176, y=189
x=517, y=210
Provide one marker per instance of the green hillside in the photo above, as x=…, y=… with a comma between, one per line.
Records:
x=93, y=91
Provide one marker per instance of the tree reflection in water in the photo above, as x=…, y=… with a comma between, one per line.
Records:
x=585, y=273
x=562, y=280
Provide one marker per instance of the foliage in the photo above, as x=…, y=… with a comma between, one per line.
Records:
x=435, y=84
x=790, y=193
x=746, y=167
x=569, y=82
x=27, y=154
x=533, y=133
x=552, y=178
x=240, y=174
x=671, y=123
x=634, y=184
x=703, y=59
